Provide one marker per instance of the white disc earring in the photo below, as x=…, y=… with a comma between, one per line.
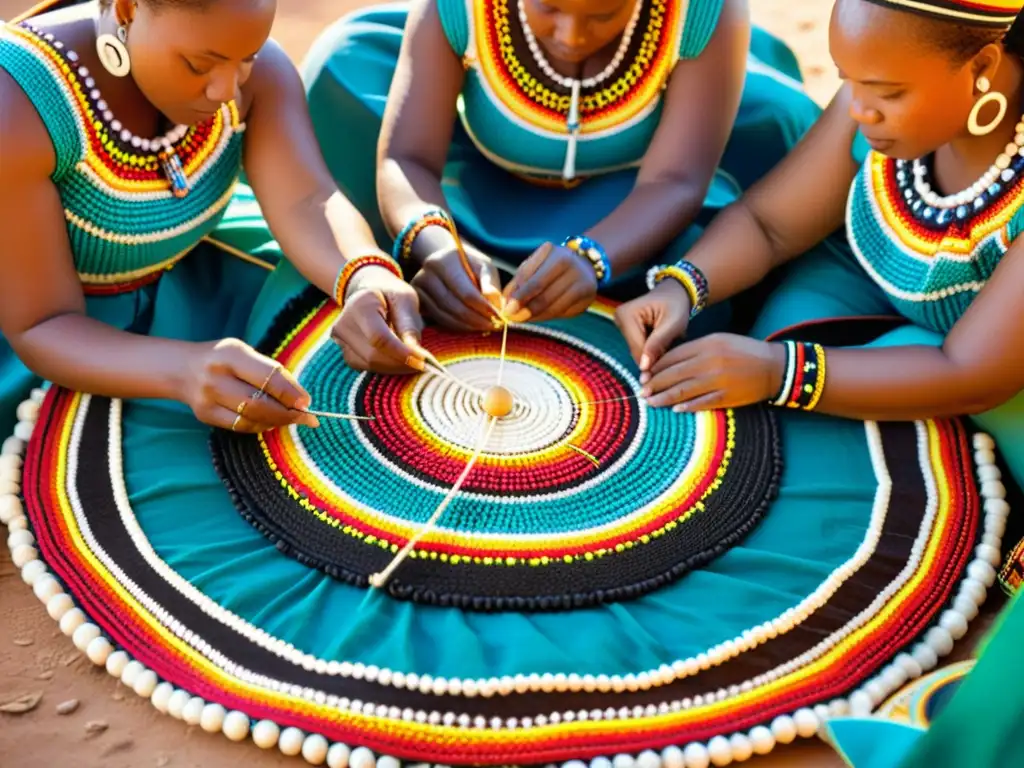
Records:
x=113, y=53
x=988, y=97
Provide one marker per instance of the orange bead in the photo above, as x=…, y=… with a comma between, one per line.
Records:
x=497, y=402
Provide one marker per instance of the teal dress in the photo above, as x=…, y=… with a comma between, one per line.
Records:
x=913, y=268
x=138, y=247
x=614, y=581
x=503, y=180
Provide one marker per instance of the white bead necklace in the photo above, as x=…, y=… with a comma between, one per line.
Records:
x=572, y=121
x=1000, y=170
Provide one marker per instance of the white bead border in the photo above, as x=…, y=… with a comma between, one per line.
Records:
x=316, y=750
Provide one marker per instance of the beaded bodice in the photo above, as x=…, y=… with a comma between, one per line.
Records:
x=516, y=112
x=931, y=257
x=133, y=206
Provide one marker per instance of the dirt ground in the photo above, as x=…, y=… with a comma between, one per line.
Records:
x=36, y=658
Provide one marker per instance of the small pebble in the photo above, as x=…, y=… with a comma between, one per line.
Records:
x=23, y=641
x=67, y=707
x=95, y=726
x=47, y=675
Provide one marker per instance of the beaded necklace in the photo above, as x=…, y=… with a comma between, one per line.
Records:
x=931, y=209
x=575, y=85
x=141, y=156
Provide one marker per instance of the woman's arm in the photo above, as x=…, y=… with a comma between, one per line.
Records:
x=318, y=228
x=794, y=207
x=416, y=130
x=42, y=307
x=701, y=103
x=979, y=366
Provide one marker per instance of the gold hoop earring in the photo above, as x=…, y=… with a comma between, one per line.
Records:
x=113, y=53
x=973, y=126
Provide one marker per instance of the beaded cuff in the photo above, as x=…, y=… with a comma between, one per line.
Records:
x=593, y=253
x=354, y=265
x=436, y=217
x=804, y=380
x=687, y=275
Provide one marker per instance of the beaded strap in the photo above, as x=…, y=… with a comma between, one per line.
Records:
x=436, y=217
x=593, y=253
x=354, y=265
x=689, y=276
x=804, y=379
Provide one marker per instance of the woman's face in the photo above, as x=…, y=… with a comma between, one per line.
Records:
x=909, y=97
x=190, y=59
x=574, y=30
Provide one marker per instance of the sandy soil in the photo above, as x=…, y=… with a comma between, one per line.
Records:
x=36, y=658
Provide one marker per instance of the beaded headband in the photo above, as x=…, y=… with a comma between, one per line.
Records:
x=990, y=13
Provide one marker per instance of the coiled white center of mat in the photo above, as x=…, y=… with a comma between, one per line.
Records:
x=544, y=411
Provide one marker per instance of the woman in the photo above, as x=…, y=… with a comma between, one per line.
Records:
x=112, y=290
x=932, y=93
x=559, y=136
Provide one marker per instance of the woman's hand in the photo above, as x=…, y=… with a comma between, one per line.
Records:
x=452, y=297
x=718, y=371
x=652, y=322
x=553, y=282
x=231, y=385
x=380, y=325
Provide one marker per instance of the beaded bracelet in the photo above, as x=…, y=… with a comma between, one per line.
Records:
x=354, y=265
x=436, y=217
x=689, y=276
x=804, y=378
x=593, y=253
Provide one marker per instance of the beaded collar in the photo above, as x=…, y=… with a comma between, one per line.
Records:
x=902, y=195
x=113, y=155
x=626, y=92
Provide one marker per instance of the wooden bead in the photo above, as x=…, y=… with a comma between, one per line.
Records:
x=497, y=402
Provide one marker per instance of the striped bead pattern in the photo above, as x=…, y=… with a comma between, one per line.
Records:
x=125, y=224
x=883, y=617
x=931, y=264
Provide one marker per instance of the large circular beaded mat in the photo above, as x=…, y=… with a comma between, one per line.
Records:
x=581, y=494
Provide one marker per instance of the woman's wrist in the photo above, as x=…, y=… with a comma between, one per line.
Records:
x=428, y=232
x=688, y=276
x=355, y=266
x=595, y=255
x=800, y=374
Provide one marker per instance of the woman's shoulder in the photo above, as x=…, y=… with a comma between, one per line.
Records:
x=28, y=148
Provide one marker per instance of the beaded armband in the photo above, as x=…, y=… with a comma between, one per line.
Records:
x=354, y=265
x=437, y=217
x=688, y=276
x=593, y=253
x=804, y=378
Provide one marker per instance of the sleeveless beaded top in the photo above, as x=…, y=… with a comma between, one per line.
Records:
x=516, y=114
x=931, y=261
x=133, y=206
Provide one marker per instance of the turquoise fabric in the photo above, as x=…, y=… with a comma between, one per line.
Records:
x=113, y=232
x=188, y=518
x=535, y=151
x=348, y=73
x=827, y=283
x=981, y=725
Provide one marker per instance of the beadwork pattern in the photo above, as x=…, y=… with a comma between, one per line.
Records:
x=125, y=223
x=517, y=81
x=930, y=262
x=537, y=525
x=1012, y=574
x=882, y=617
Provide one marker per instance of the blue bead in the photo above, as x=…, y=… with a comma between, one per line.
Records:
x=980, y=202
x=995, y=189
x=1018, y=164
x=961, y=213
x=927, y=213
x=916, y=206
x=901, y=177
x=908, y=194
x=944, y=216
